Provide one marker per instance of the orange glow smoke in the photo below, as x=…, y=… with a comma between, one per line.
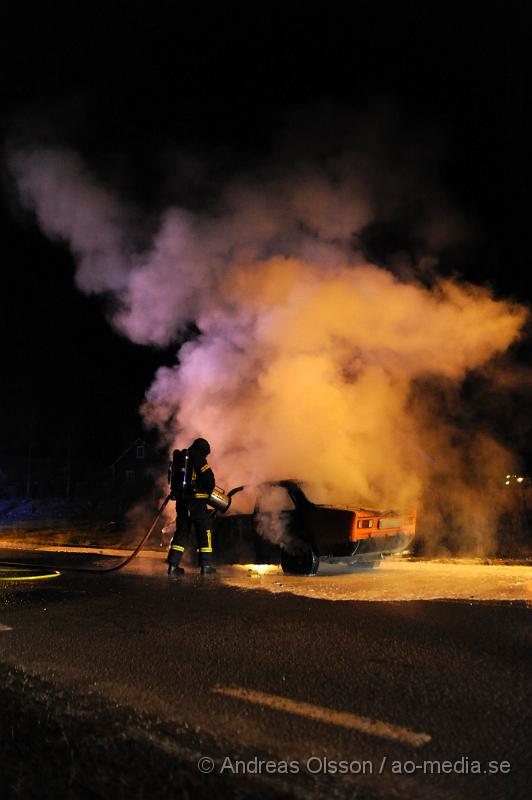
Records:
x=310, y=373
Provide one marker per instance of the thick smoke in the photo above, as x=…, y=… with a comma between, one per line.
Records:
x=310, y=362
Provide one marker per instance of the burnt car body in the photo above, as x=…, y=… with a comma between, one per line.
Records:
x=307, y=532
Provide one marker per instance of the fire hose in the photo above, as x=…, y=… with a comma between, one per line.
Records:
x=124, y=562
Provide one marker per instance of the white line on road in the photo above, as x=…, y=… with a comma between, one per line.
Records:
x=5, y=628
x=373, y=727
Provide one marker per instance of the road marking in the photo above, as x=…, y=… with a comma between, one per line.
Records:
x=373, y=727
x=5, y=628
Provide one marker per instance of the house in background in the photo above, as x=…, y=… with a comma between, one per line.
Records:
x=137, y=466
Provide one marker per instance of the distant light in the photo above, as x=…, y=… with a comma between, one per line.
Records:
x=508, y=476
x=507, y=483
x=520, y=480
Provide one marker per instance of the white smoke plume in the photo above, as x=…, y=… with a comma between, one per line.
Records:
x=272, y=520
x=310, y=362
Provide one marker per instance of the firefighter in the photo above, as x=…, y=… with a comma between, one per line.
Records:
x=191, y=508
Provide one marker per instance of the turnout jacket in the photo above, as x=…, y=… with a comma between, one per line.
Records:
x=202, y=476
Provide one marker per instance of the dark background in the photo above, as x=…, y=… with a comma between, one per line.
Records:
x=126, y=83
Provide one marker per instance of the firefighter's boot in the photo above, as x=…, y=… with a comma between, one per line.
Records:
x=175, y=571
x=208, y=569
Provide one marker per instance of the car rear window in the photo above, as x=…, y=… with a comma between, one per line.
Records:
x=365, y=523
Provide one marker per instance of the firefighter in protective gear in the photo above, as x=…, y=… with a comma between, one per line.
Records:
x=192, y=509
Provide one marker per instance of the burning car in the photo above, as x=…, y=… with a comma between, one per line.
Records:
x=303, y=532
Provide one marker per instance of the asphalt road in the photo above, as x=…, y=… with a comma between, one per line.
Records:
x=116, y=685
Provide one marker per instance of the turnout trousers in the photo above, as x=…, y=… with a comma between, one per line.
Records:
x=194, y=513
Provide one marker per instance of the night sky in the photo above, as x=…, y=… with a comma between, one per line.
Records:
x=128, y=84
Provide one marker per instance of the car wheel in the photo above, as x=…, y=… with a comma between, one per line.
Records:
x=303, y=561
